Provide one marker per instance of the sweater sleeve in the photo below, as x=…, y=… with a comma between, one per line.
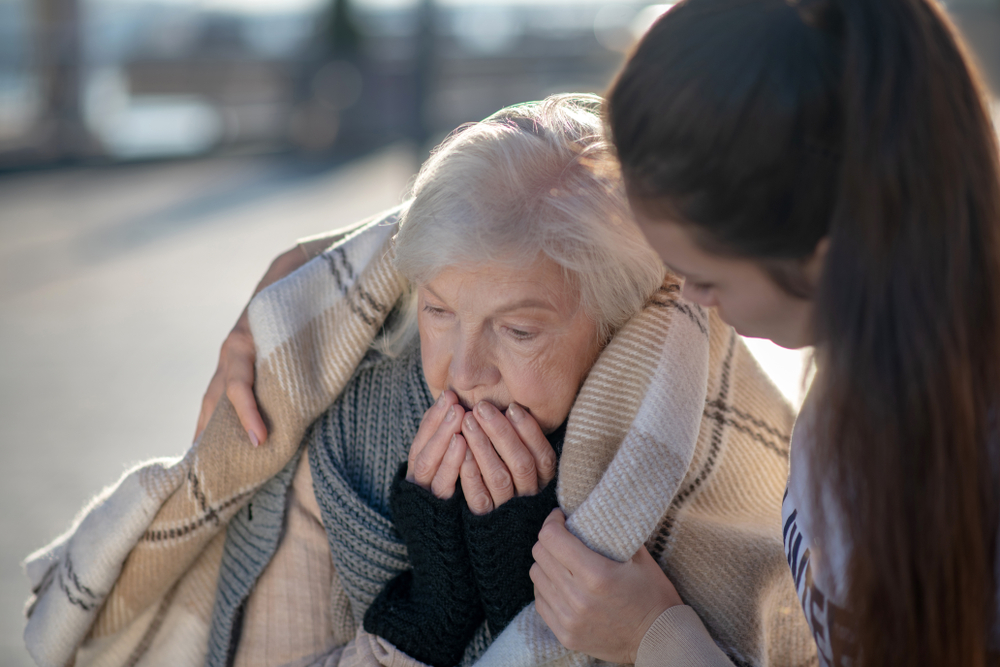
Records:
x=431, y=611
x=499, y=545
x=678, y=637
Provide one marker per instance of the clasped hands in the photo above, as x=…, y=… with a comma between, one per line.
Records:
x=592, y=604
x=496, y=455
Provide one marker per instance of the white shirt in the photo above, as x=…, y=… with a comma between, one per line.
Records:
x=819, y=565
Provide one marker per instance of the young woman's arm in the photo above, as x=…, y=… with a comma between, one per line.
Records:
x=235, y=371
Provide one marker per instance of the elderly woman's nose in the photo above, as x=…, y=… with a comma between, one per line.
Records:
x=471, y=364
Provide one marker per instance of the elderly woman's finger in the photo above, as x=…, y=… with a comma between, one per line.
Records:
x=493, y=470
x=424, y=463
x=531, y=435
x=477, y=496
x=430, y=422
x=443, y=484
x=515, y=455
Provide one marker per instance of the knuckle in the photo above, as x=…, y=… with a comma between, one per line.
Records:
x=597, y=583
x=440, y=489
x=522, y=465
x=547, y=533
x=500, y=479
x=422, y=468
x=547, y=461
x=480, y=503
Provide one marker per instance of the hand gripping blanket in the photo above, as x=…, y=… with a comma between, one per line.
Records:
x=677, y=440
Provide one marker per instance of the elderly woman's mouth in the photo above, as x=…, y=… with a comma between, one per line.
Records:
x=468, y=402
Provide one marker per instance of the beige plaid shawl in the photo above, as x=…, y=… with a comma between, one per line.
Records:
x=677, y=440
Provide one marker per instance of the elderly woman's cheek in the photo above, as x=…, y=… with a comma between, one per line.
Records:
x=433, y=362
x=548, y=385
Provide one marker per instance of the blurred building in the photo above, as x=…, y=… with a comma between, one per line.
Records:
x=139, y=79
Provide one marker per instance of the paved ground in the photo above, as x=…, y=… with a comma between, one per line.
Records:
x=116, y=288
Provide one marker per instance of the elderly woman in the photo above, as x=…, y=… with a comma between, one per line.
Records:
x=421, y=389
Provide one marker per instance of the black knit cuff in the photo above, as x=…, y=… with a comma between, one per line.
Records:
x=430, y=612
x=499, y=545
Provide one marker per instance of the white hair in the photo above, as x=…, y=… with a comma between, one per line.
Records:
x=533, y=178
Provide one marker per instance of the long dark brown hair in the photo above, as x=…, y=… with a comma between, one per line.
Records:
x=768, y=125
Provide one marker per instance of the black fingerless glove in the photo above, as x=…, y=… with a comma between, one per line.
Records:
x=432, y=611
x=499, y=545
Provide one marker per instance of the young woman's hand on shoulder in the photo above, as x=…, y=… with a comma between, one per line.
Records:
x=234, y=374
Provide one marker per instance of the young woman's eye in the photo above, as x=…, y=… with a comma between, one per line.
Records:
x=702, y=287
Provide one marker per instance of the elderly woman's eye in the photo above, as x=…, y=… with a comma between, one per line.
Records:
x=520, y=334
x=433, y=310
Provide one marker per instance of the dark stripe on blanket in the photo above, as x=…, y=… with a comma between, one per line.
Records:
x=693, y=313
x=211, y=514
x=660, y=542
x=720, y=418
x=759, y=423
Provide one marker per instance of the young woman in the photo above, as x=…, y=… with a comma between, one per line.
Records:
x=824, y=172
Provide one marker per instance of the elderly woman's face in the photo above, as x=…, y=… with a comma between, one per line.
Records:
x=505, y=334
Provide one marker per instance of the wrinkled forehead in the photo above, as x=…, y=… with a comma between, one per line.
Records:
x=505, y=285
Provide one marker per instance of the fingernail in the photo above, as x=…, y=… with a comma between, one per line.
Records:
x=515, y=412
x=468, y=455
x=470, y=423
x=441, y=400
x=253, y=438
x=454, y=443
x=451, y=414
x=486, y=410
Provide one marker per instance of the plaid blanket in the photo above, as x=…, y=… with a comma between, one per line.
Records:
x=677, y=440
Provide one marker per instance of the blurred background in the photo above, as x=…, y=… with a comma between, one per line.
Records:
x=155, y=155
x=142, y=79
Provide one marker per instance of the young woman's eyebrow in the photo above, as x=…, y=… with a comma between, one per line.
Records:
x=680, y=274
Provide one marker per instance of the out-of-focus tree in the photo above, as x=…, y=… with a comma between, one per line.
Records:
x=340, y=34
x=424, y=71
x=62, y=133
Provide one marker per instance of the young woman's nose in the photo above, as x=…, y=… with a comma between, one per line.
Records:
x=471, y=363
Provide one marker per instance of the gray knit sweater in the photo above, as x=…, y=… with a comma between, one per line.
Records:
x=355, y=448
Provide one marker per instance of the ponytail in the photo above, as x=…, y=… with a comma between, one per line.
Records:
x=765, y=126
x=909, y=315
